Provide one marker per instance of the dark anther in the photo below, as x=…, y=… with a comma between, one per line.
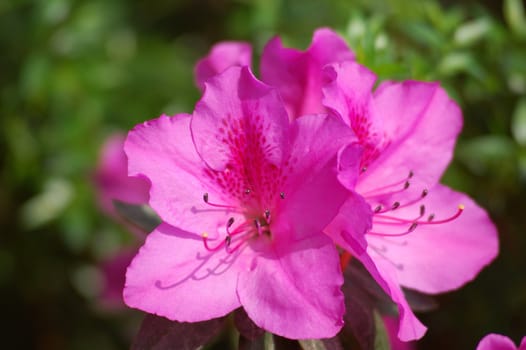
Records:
x=247, y=191
x=282, y=195
x=406, y=185
x=364, y=169
x=410, y=174
x=228, y=240
x=395, y=205
x=424, y=192
x=413, y=227
x=431, y=217
x=267, y=214
x=257, y=223
x=378, y=208
x=205, y=197
x=230, y=222
x=422, y=210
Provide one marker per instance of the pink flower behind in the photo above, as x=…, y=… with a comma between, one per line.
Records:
x=424, y=236
x=111, y=177
x=244, y=195
x=297, y=74
x=499, y=342
x=223, y=55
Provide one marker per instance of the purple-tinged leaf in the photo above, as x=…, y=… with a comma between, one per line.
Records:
x=246, y=327
x=160, y=333
x=358, y=330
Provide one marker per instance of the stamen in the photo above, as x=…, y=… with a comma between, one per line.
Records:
x=267, y=216
x=206, y=200
x=364, y=169
x=395, y=205
x=411, y=229
x=282, y=195
x=451, y=218
x=247, y=191
x=393, y=220
x=204, y=235
x=382, y=191
x=425, y=192
x=378, y=209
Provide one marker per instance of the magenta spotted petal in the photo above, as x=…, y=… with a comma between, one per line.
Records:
x=245, y=195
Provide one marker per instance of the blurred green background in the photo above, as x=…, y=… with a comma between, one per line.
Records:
x=73, y=72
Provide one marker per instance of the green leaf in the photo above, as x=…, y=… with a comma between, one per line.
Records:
x=321, y=344
x=514, y=14
x=518, y=123
x=312, y=344
x=471, y=32
x=381, y=339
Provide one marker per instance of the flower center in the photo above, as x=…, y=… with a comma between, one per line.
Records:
x=253, y=223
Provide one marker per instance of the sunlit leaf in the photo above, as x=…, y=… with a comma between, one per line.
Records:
x=321, y=344
x=514, y=14
x=381, y=339
x=518, y=123
x=141, y=216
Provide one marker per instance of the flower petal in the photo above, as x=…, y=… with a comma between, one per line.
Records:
x=293, y=289
x=298, y=74
x=440, y=257
x=313, y=194
x=174, y=276
x=348, y=91
x=421, y=124
x=222, y=56
x=494, y=341
x=239, y=115
x=162, y=151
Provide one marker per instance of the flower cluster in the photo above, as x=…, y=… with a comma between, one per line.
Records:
x=264, y=185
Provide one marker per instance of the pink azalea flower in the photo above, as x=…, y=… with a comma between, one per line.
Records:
x=244, y=195
x=499, y=342
x=424, y=236
x=404, y=135
x=297, y=74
